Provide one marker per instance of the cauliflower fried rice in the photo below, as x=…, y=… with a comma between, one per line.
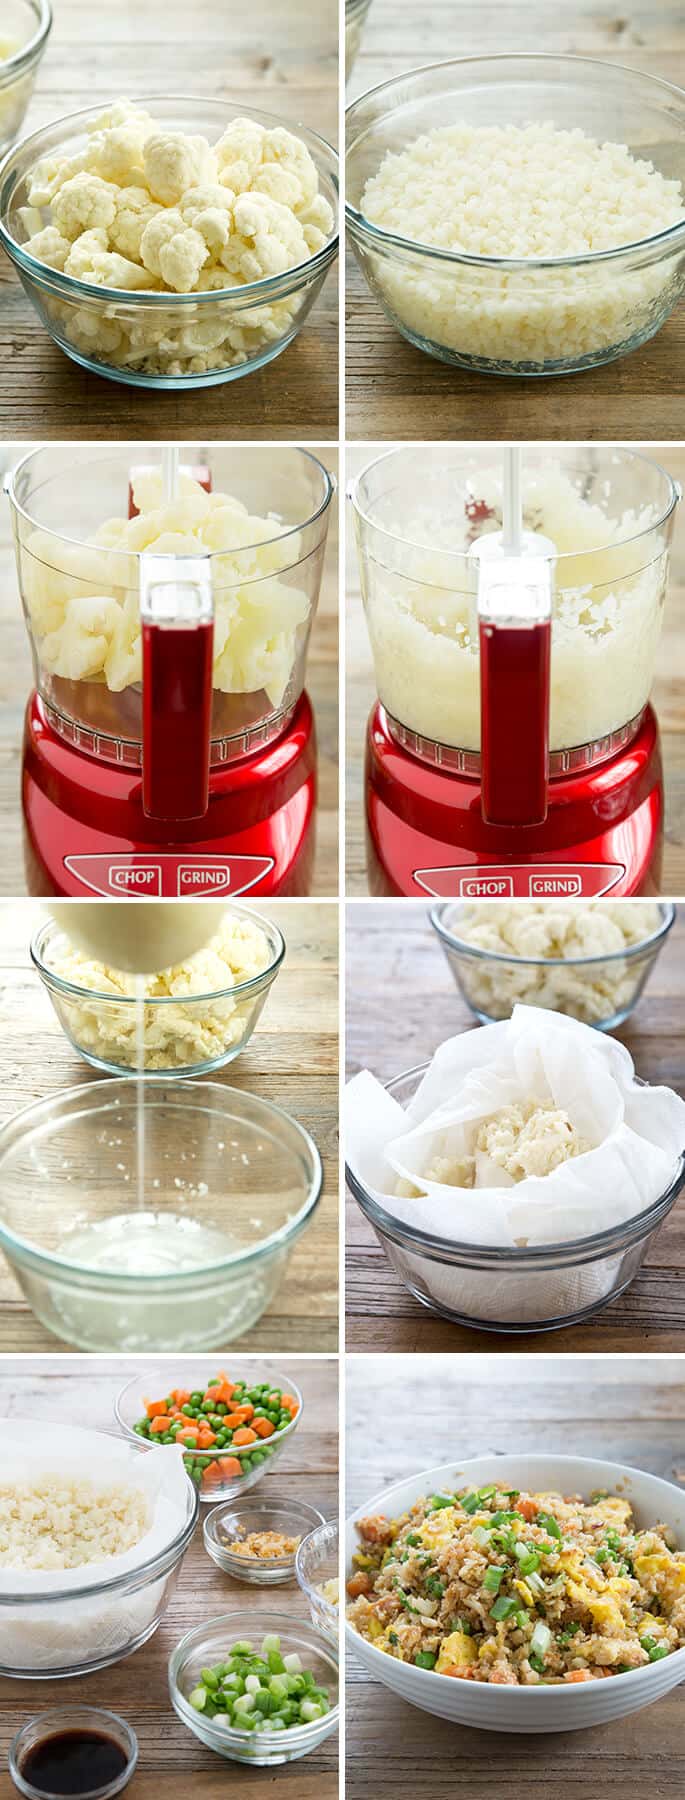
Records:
x=519, y=1589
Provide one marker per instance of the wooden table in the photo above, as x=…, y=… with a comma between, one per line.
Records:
x=629, y=1411
x=282, y=60
x=16, y=679
x=292, y=1059
x=394, y=390
x=666, y=694
x=401, y=1002
x=172, y=1761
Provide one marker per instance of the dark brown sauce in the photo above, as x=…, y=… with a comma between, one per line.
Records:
x=73, y=1762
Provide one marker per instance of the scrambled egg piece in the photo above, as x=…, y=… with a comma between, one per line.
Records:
x=457, y=1652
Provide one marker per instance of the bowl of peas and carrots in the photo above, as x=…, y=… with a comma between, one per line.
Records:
x=232, y=1428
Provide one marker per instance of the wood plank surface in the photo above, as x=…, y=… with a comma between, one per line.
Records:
x=16, y=681
x=632, y=1411
x=172, y=1761
x=667, y=693
x=277, y=58
x=292, y=1059
x=394, y=390
x=401, y=1003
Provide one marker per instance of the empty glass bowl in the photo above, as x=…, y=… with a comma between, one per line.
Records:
x=355, y=16
x=539, y=1288
x=25, y=29
x=599, y=990
x=520, y=316
x=79, y=1719
x=213, y=1481
x=228, y=1183
x=163, y=340
x=189, y=1036
x=227, y=1526
x=209, y=1644
x=317, y=1567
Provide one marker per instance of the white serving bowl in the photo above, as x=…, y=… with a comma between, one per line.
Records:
x=494, y=1708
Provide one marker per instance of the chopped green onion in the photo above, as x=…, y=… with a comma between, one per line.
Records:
x=541, y=1639
x=434, y=1586
x=440, y=1500
x=470, y=1503
x=504, y=1608
x=550, y=1524
x=493, y=1580
x=486, y=1493
x=412, y=1539
x=528, y=1558
x=536, y=1662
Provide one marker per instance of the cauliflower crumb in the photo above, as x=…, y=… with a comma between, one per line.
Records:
x=527, y=1139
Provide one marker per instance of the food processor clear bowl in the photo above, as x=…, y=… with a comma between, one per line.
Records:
x=229, y=1182
x=599, y=990
x=610, y=514
x=153, y=340
x=81, y=600
x=193, y=1035
x=24, y=32
x=514, y=316
x=355, y=18
x=512, y=1291
x=255, y=1460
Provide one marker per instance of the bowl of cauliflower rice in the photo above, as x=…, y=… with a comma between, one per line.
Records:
x=587, y=959
x=169, y=242
x=521, y=1593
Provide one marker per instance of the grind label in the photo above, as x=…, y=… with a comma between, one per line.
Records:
x=520, y=881
x=139, y=875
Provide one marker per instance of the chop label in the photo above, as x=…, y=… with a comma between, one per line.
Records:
x=140, y=875
x=521, y=881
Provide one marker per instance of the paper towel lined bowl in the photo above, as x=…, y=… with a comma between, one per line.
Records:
x=539, y=1288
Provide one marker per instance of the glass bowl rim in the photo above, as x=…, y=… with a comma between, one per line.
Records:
x=68, y=287
x=147, y=1572
x=313, y=1593
x=270, y=1501
x=28, y=53
x=501, y=1257
x=458, y=557
x=71, y=1714
x=48, y=1263
x=299, y=450
x=263, y=1625
x=364, y=228
x=451, y=941
x=73, y=990
x=242, y=1450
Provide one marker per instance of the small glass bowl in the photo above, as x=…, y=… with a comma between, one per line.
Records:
x=156, y=340
x=208, y=1645
x=519, y=316
x=255, y=1460
x=26, y=27
x=355, y=18
x=599, y=990
x=227, y=1525
x=103, y=1027
x=230, y=1182
x=316, y=1563
x=540, y=1288
x=73, y=1718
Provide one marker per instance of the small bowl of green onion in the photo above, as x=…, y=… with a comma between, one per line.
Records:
x=263, y=1699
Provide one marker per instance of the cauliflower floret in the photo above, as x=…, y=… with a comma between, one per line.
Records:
x=50, y=174
x=48, y=246
x=84, y=203
x=90, y=259
x=173, y=163
x=317, y=223
x=80, y=647
x=117, y=141
x=208, y=210
x=173, y=250
x=134, y=210
x=239, y=154
x=269, y=239
x=285, y=154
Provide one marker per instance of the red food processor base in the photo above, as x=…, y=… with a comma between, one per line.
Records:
x=85, y=830
x=426, y=833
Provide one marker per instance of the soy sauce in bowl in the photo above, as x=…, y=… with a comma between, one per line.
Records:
x=81, y=1753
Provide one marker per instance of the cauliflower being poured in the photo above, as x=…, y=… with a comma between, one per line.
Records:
x=84, y=605
x=529, y=1139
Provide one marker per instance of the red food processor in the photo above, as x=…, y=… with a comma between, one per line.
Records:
x=514, y=600
x=169, y=744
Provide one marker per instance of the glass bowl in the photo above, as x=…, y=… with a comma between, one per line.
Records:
x=355, y=19
x=317, y=1563
x=519, y=316
x=211, y=1482
x=208, y=1644
x=226, y=1525
x=80, y=1629
x=26, y=27
x=158, y=340
x=59, y=1719
x=540, y=1288
x=230, y=1181
x=103, y=1027
x=599, y=990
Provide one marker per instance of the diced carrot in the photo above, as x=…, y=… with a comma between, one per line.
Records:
x=155, y=1409
x=187, y=1437
x=158, y=1426
x=264, y=1428
x=231, y=1420
x=289, y=1400
x=206, y=1439
x=230, y=1465
x=359, y=1584
x=245, y=1412
x=528, y=1509
x=180, y=1396
x=579, y=1675
x=220, y=1390
x=245, y=1435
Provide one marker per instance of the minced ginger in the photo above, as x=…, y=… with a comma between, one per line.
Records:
x=528, y=1139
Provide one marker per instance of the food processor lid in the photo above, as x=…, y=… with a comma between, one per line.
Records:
x=177, y=631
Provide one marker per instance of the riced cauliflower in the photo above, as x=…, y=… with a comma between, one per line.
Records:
x=66, y=1524
x=546, y=944
x=175, y=215
x=176, y=1035
x=528, y=1139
